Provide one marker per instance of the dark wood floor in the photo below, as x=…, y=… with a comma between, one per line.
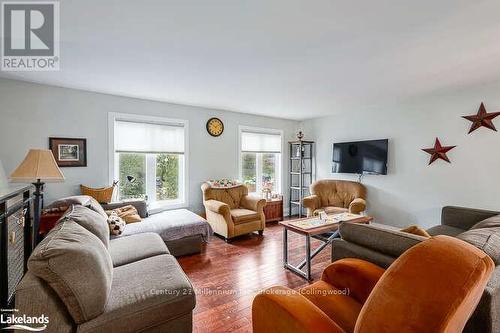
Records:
x=227, y=276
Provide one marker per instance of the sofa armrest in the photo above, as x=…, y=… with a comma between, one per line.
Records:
x=283, y=310
x=486, y=318
x=380, y=238
x=356, y=275
x=140, y=205
x=253, y=203
x=217, y=206
x=464, y=218
x=312, y=202
x=357, y=206
x=342, y=249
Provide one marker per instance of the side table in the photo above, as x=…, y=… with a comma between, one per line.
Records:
x=274, y=210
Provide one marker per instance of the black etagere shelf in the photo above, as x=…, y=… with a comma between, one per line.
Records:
x=301, y=174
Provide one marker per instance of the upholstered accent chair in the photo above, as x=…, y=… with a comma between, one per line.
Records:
x=335, y=196
x=232, y=212
x=433, y=287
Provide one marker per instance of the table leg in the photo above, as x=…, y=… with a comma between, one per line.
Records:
x=285, y=247
x=320, y=248
x=308, y=257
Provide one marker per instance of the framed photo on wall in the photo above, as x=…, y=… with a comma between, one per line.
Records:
x=69, y=152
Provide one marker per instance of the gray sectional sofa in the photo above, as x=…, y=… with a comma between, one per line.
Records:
x=183, y=231
x=382, y=244
x=85, y=282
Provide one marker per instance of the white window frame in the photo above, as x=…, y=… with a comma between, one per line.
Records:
x=155, y=206
x=261, y=130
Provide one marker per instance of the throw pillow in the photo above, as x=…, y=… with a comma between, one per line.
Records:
x=116, y=224
x=90, y=220
x=223, y=183
x=416, y=230
x=77, y=266
x=486, y=239
x=491, y=222
x=128, y=213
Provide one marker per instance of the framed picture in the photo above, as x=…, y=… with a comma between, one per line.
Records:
x=69, y=152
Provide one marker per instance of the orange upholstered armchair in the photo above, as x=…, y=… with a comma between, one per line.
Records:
x=335, y=196
x=432, y=288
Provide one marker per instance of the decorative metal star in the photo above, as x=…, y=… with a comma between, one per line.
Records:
x=438, y=152
x=482, y=118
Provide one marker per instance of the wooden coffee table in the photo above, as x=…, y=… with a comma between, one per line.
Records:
x=324, y=233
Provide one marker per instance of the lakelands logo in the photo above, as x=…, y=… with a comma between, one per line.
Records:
x=12, y=321
x=30, y=36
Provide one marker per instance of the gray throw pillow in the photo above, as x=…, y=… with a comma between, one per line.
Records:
x=492, y=222
x=75, y=264
x=486, y=239
x=90, y=220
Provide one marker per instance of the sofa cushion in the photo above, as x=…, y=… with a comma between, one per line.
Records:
x=124, y=250
x=90, y=220
x=486, y=239
x=444, y=230
x=145, y=294
x=492, y=222
x=171, y=225
x=242, y=215
x=81, y=200
x=75, y=263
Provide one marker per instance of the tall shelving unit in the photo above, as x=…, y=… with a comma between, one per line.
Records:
x=301, y=174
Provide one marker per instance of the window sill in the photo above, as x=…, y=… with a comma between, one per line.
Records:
x=160, y=206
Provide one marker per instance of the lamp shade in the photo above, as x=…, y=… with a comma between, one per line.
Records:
x=38, y=164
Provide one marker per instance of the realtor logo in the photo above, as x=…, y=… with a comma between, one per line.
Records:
x=30, y=36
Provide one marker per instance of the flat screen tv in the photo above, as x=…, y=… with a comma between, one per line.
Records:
x=360, y=157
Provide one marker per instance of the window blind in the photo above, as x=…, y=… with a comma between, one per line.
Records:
x=252, y=142
x=138, y=137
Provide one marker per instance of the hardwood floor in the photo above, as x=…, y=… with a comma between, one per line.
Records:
x=227, y=276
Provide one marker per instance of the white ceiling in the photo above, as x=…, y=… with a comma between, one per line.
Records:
x=293, y=59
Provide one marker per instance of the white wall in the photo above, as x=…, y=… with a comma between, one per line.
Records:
x=31, y=113
x=412, y=192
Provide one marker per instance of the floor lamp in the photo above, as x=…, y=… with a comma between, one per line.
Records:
x=38, y=167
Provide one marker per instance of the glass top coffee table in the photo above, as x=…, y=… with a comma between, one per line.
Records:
x=326, y=232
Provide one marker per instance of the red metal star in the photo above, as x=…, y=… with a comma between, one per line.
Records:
x=482, y=118
x=438, y=152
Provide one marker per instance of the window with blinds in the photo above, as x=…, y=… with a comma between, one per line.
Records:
x=260, y=160
x=149, y=160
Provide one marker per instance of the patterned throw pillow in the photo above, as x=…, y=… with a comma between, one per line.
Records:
x=116, y=224
x=223, y=183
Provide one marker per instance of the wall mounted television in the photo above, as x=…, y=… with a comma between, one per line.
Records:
x=361, y=157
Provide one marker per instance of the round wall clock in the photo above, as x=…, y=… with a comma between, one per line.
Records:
x=215, y=127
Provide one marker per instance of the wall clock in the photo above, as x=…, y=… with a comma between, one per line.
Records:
x=215, y=127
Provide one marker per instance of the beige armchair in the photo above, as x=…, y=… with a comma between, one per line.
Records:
x=335, y=196
x=232, y=212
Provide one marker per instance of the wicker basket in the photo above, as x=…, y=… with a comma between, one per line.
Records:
x=103, y=195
